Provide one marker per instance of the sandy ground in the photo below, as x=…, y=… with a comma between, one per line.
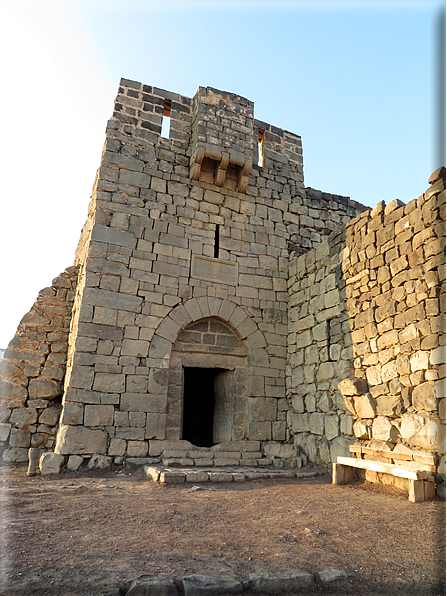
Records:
x=80, y=534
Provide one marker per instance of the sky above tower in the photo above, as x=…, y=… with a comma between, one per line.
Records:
x=362, y=82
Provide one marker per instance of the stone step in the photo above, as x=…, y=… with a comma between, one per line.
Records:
x=179, y=475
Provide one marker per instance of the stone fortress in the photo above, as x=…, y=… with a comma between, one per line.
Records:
x=220, y=313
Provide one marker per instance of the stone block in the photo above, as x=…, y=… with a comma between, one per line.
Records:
x=78, y=440
x=424, y=397
x=276, y=585
x=72, y=413
x=362, y=429
x=19, y=438
x=326, y=371
x=374, y=375
x=4, y=431
x=74, y=462
x=23, y=417
x=50, y=416
x=109, y=383
x=140, y=402
x=98, y=415
x=137, y=448
x=316, y=423
x=384, y=430
x=331, y=427
x=422, y=429
x=389, y=405
x=346, y=424
x=44, y=389
x=155, y=426
x=353, y=386
x=117, y=447
x=99, y=462
x=365, y=406
x=15, y=455
x=150, y=586
x=50, y=463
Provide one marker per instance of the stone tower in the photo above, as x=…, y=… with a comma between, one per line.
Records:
x=176, y=341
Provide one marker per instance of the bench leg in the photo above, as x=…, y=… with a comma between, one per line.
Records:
x=416, y=491
x=430, y=489
x=342, y=474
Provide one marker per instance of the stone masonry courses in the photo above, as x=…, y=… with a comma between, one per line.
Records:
x=219, y=312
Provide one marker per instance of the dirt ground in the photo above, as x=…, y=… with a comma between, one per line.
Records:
x=75, y=534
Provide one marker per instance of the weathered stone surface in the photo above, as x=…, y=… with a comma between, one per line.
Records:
x=98, y=415
x=198, y=585
x=50, y=463
x=424, y=397
x=50, y=416
x=331, y=427
x=99, y=462
x=15, y=455
x=365, y=406
x=150, y=586
x=340, y=447
x=330, y=575
x=74, y=462
x=362, y=430
x=44, y=389
x=80, y=440
x=422, y=430
x=277, y=585
x=384, y=430
x=23, y=417
x=353, y=387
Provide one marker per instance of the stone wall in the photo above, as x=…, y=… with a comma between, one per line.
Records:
x=33, y=369
x=367, y=333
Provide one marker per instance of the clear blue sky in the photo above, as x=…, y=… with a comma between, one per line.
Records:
x=358, y=80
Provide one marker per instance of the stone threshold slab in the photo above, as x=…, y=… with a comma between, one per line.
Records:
x=171, y=475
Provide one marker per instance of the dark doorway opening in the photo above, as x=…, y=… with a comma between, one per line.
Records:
x=207, y=409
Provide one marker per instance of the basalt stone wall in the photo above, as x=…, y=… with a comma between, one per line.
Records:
x=33, y=369
x=367, y=333
x=183, y=230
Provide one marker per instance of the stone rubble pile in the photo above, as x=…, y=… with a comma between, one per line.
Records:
x=33, y=369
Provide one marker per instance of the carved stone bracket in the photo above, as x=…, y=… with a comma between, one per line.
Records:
x=224, y=158
x=242, y=181
x=222, y=169
x=196, y=162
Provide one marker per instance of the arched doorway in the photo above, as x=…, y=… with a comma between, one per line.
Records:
x=207, y=385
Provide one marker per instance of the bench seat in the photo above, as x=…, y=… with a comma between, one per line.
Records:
x=421, y=483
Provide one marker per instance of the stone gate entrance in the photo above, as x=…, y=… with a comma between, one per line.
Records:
x=207, y=385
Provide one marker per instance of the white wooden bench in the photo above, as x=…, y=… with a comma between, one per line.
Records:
x=420, y=474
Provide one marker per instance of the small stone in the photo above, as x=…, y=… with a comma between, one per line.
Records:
x=74, y=462
x=99, y=462
x=330, y=575
x=15, y=455
x=50, y=463
x=150, y=586
x=353, y=386
x=198, y=585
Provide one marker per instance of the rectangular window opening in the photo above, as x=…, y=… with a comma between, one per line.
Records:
x=260, y=148
x=166, y=120
x=216, y=242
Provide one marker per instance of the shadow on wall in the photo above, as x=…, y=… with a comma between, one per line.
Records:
x=367, y=334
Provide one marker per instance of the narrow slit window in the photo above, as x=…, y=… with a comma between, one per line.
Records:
x=166, y=120
x=260, y=148
x=216, y=242
x=329, y=339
